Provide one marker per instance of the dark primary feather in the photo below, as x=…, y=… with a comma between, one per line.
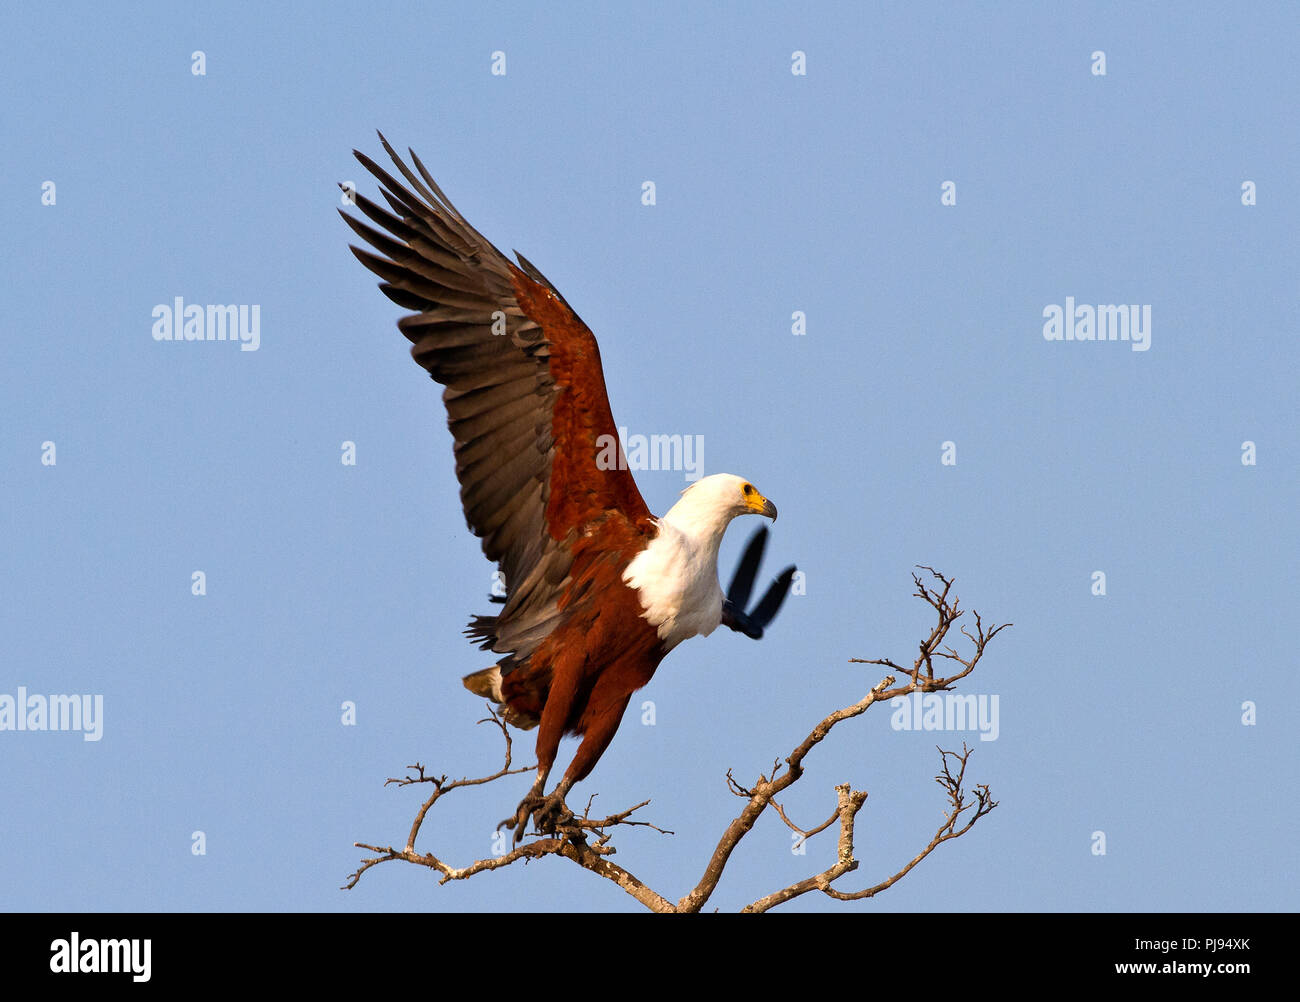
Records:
x=500, y=391
x=734, y=616
x=742, y=582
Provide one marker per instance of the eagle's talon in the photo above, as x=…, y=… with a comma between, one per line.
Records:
x=552, y=813
x=547, y=813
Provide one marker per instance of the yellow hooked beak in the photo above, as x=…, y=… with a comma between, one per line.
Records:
x=757, y=504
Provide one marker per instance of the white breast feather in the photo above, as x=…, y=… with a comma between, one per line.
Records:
x=676, y=579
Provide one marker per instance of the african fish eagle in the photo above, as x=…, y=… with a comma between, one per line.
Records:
x=598, y=590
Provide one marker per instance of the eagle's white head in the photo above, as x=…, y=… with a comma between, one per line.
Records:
x=676, y=575
x=712, y=502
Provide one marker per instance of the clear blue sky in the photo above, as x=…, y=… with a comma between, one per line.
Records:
x=776, y=193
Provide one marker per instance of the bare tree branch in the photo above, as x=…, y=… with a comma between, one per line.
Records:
x=803, y=834
x=587, y=841
x=850, y=802
x=953, y=785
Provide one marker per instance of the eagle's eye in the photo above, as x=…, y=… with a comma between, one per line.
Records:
x=749, y=489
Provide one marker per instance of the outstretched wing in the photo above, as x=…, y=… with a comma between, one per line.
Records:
x=753, y=623
x=525, y=393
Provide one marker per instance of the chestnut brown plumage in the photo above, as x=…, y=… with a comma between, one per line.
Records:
x=528, y=410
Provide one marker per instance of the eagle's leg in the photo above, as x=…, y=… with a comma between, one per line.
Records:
x=554, y=715
x=599, y=722
x=604, y=712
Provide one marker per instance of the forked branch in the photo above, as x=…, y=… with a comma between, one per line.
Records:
x=586, y=841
